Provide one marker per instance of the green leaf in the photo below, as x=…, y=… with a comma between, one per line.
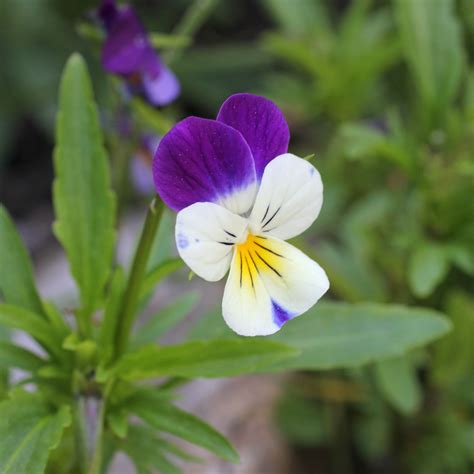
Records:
x=31, y=323
x=163, y=416
x=454, y=354
x=164, y=320
x=215, y=358
x=14, y=356
x=142, y=446
x=397, y=380
x=160, y=271
x=29, y=431
x=17, y=284
x=83, y=200
x=118, y=422
x=298, y=17
x=340, y=335
x=432, y=42
x=427, y=267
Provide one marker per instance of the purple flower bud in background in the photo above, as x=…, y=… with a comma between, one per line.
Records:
x=141, y=165
x=127, y=52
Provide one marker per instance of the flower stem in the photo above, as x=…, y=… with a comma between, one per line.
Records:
x=192, y=20
x=137, y=273
x=96, y=461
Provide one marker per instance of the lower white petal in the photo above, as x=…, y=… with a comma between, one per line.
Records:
x=270, y=282
x=205, y=237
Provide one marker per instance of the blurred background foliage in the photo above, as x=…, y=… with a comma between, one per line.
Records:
x=383, y=93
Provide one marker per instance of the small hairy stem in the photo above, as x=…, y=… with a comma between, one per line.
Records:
x=137, y=273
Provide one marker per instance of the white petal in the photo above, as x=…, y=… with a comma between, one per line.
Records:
x=270, y=282
x=289, y=199
x=205, y=237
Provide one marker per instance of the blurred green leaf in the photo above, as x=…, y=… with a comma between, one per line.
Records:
x=143, y=448
x=164, y=320
x=432, y=45
x=14, y=356
x=83, y=200
x=427, y=267
x=454, y=354
x=398, y=382
x=160, y=271
x=29, y=431
x=163, y=416
x=214, y=358
x=302, y=421
x=298, y=17
x=339, y=335
x=118, y=422
x=17, y=284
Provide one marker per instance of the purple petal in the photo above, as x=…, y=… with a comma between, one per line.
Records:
x=202, y=160
x=261, y=123
x=160, y=87
x=126, y=46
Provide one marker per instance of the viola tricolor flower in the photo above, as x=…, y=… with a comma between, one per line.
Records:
x=240, y=195
x=127, y=52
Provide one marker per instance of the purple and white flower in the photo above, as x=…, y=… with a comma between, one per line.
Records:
x=240, y=195
x=127, y=52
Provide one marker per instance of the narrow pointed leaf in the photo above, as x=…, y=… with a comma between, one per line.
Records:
x=16, y=276
x=215, y=358
x=143, y=448
x=31, y=323
x=339, y=335
x=164, y=320
x=83, y=200
x=14, y=356
x=159, y=272
x=166, y=417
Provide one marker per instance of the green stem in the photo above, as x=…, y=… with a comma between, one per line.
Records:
x=81, y=435
x=96, y=461
x=137, y=274
x=193, y=18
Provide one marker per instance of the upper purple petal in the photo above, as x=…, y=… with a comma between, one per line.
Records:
x=202, y=160
x=262, y=124
x=126, y=45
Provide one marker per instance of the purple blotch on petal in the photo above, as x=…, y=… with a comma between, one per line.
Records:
x=261, y=123
x=201, y=160
x=182, y=241
x=281, y=315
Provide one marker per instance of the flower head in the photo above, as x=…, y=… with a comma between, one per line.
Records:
x=128, y=52
x=239, y=195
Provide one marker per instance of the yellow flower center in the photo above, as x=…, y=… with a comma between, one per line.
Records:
x=258, y=256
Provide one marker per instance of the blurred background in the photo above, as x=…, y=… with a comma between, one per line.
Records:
x=382, y=93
